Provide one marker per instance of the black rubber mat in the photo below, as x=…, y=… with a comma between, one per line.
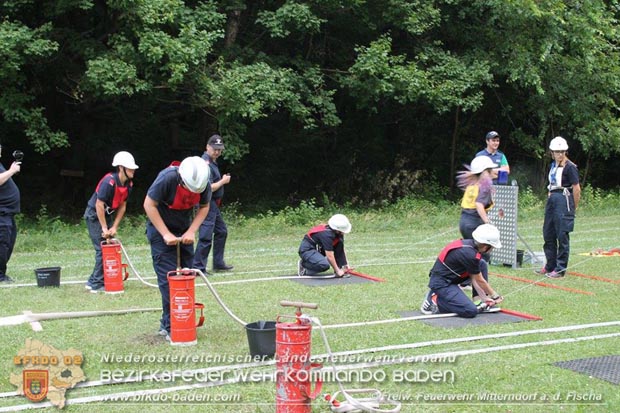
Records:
x=457, y=322
x=319, y=282
x=604, y=368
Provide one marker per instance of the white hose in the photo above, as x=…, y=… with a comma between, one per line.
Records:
x=108, y=397
x=219, y=300
x=391, y=320
x=134, y=268
x=315, y=277
x=33, y=317
x=215, y=294
x=366, y=404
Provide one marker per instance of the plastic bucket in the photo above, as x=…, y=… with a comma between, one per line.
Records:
x=262, y=338
x=538, y=259
x=48, y=277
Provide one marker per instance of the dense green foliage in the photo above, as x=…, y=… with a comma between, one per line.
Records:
x=391, y=96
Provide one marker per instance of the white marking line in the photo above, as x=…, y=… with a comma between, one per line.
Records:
x=472, y=338
x=483, y=350
x=108, y=397
x=360, y=351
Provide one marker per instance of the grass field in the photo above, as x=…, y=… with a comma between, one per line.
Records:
x=513, y=373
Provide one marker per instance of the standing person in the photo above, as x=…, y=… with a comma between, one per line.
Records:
x=477, y=200
x=106, y=208
x=478, y=194
x=9, y=206
x=323, y=246
x=562, y=201
x=499, y=159
x=213, y=229
x=168, y=204
x=459, y=260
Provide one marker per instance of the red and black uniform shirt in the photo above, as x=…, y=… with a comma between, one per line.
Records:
x=323, y=238
x=175, y=203
x=111, y=192
x=456, y=262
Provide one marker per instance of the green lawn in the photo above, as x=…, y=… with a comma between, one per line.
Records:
x=491, y=374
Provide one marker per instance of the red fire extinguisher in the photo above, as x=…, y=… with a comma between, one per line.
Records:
x=293, y=366
x=183, y=308
x=114, y=271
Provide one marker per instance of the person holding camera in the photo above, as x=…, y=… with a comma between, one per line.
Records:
x=9, y=206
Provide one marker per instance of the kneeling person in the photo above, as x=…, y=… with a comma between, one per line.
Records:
x=323, y=246
x=458, y=261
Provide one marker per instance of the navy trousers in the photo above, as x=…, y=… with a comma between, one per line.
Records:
x=452, y=299
x=467, y=224
x=165, y=260
x=559, y=223
x=94, y=232
x=8, y=236
x=314, y=262
x=213, y=230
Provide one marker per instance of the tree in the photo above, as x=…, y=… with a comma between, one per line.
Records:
x=351, y=88
x=23, y=52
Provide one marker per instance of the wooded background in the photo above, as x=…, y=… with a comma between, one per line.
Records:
x=348, y=100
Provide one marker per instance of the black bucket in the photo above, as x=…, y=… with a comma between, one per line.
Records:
x=262, y=338
x=48, y=277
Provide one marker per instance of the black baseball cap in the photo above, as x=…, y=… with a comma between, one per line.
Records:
x=492, y=135
x=216, y=142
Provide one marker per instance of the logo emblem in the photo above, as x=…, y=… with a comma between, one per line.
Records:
x=35, y=384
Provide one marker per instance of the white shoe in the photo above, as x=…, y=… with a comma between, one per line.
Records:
x=429, y=305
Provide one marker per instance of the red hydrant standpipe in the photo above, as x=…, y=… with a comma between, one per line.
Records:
x=114, y=271
x=293, y=366
x=183, y=305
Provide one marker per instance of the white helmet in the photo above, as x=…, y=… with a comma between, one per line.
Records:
x=558, y=144
x=480, y=163
x=124, y=158
x=194, y=172
x=340, y=223
x=487, y=234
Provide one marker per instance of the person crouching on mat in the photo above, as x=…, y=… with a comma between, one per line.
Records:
x=459, y=260
x=323, y=246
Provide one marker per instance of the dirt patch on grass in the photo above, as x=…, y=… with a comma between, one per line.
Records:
x=150, y=339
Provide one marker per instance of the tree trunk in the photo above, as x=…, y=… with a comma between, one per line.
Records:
x=586, y=171
x=455, y=134
x=232, y=27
